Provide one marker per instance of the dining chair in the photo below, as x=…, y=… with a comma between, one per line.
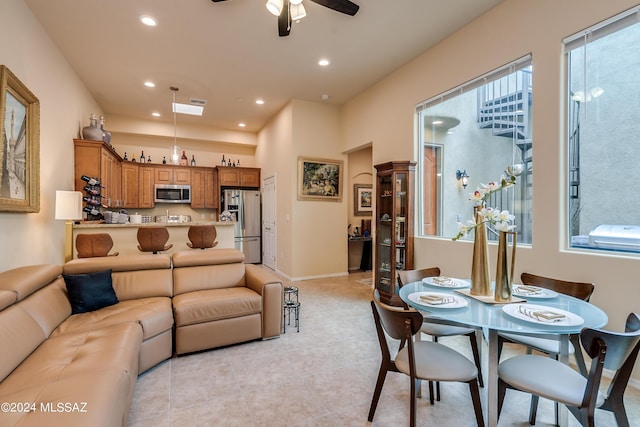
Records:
x=424, y=360
x=437, y=330
x=153, y=239
x=551, y=379
x=550, y=346
x=94, y=245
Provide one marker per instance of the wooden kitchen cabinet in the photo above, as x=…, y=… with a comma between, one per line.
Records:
x=99, y=160
x=146, y=181
x=204, y=188
x=130, y=184
x=172, y=175
x=238, y=177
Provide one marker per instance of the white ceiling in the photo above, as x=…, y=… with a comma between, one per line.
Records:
x=230, y=51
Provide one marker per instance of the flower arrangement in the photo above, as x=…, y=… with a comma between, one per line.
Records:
x=501, y=220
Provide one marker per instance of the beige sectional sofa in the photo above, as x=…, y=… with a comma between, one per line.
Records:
x=64, y=369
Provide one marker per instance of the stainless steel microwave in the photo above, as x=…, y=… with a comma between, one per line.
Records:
x=170, y=193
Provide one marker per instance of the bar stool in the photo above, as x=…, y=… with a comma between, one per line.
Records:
x=153, y=239
x=291, y=305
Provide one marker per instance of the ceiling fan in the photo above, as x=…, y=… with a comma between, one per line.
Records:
x=293, y=10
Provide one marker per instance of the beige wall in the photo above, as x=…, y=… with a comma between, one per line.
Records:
x=274, y=155
x=65, y=106
x=384, y=114
x=319, y=228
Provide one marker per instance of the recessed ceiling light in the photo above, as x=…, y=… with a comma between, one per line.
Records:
x=149, y=84
x=323, y=62
x=259, y=101
x=148, y=21
x=155, y=114
x=242, y=125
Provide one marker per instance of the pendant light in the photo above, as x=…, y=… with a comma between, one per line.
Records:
x=275, y=7
x=175, y=150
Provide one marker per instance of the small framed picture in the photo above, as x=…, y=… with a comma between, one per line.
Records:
x=362, y=199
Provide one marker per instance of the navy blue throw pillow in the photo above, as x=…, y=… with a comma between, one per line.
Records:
x=91, y=291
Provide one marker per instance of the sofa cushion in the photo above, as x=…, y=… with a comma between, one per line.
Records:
x=153, y=314
x=26, y=280
x=90, y=291
x=7, y=298
x=106, y=405
x=215, y=304
x=20, y=334
x=81, y=353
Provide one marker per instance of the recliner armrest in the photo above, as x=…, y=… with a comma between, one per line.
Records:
x=270, y=287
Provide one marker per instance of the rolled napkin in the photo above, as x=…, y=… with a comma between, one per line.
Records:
x=528, y=290
x=443, y=281
x=542, y=315
x=436, y=299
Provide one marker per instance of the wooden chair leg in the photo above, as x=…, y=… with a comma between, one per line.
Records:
x=378, y=390
x=412, y=411
x=533, y=410
x=476, y=357
x=477, y=406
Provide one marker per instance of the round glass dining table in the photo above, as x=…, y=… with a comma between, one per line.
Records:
x=494, y=318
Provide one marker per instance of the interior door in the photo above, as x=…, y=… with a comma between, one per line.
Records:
x=269, y=222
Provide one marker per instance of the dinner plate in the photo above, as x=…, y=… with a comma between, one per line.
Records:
x=446, y=282
x=457, y=301
x=543, y=294
x=542, y=315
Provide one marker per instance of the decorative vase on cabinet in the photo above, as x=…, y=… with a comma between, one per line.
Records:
x=394, y=226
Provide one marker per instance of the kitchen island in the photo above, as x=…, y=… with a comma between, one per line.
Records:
x=125, y=240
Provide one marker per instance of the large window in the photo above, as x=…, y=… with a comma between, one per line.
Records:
x=603, y=124
x=478, y=129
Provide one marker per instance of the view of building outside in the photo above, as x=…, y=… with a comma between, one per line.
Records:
x=603, y=124
x=479, y=131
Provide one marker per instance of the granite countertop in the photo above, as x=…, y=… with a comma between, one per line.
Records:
x=151, y=224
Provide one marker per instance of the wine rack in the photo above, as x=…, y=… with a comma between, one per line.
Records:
x=92, y=198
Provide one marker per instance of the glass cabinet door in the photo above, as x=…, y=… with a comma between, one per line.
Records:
x=394, y=230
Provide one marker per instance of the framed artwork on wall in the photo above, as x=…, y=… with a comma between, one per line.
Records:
x=319, y=179
x=20, y=148
x=362, y=200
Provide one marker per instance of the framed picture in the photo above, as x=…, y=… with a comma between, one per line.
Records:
x=20, y=150
x=362, y=199
x=319, y=179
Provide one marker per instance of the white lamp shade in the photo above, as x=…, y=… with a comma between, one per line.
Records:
x=274, y=6
x=295, y=1
x=68, y=205
x=297, y=11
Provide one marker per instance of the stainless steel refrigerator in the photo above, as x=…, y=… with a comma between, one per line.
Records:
x=244, y=205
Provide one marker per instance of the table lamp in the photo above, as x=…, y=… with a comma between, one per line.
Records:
x=69, y=208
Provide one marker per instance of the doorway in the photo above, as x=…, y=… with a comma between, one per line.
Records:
x=269, y=222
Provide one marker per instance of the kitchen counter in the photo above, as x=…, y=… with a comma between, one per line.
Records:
x=125, y=239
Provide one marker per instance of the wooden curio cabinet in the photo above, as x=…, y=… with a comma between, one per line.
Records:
x=394, y=226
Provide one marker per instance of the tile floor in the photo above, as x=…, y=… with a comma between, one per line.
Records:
x=322, y=376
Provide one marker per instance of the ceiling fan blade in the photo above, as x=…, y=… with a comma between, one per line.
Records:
x=344, y=6
x=284, y=20
x=217, y=1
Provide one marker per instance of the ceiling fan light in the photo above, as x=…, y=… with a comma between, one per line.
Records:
x=297, y=11
x=295, y=1
x=274, y=7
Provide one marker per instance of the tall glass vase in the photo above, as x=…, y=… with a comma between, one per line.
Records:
x=504, y=271
x=480, y=278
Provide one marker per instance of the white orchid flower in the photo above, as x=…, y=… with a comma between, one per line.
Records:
x=503, y=226
x=505, y=216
